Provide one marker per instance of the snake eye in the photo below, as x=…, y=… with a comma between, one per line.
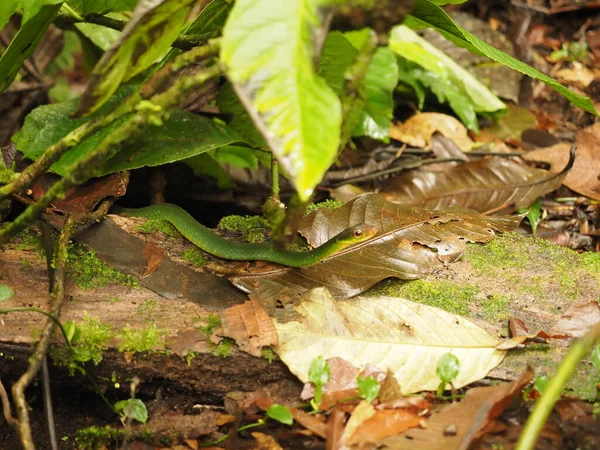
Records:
x=358, y=233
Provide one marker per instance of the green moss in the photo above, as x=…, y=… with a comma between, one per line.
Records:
x=89, y=342
x=87, y=271
x=24, y=262
x=512, y=251
x=94, y=438
x=329, y=204
x=147, y=307
x=149, y=339
x=223, y=348
x=189, y=357
x=441, y=294
x=113, y=299
x=29, y=240
x=591, y=262
x=212, y=322
x=495, y=307
x=6, y=175
x=253, y=229
x=163, y=226
x=194, y=256
x=269, y=354
x=501, y=253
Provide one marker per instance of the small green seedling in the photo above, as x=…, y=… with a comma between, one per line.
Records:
x=319, y=374
x=132, y=408
x=534, y=215
x=281, y=414
x=447, y=369
x=72, y=332
x=541, y=383
x=368, y=388
x=6, y=292
x=570, y=51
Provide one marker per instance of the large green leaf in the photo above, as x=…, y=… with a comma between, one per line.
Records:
x=7, y=9
x=211, y=18
x=380, y=81
x=183, y=135
x=268, y=48
x=426, y=14
x=146, y=37
x=449, y=81
x=337, y=55
x=24, y=43
x=101, y=6
x=240, y=121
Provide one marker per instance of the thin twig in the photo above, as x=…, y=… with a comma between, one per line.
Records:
x=18, y=389
x=6, y=407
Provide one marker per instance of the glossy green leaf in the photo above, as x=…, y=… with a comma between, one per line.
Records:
x=380, y=81
x=236, y=156
x=183, y=135
x=32, y=7
x=268, y=48
x=7, y=9
x=337, y=55
x=281, y=414
x=132, y=408
x=427, y=14
x=146, y=37
x=101, y=6
x=210, y=18
x=24, y=43
x=239, y=120
x=449, y=81
x=100, y=36
x=6, y=292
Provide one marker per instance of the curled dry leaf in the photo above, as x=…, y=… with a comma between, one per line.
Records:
x=411, y=242
x=420, y=128
x=489, y=184
x=584, y=177
x=389, y=333
x=469, y=417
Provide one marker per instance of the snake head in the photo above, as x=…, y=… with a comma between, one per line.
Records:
x=357, y=233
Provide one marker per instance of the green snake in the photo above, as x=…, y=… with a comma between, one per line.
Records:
x=210, y=242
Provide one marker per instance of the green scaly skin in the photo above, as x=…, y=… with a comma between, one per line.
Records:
x=207, y=240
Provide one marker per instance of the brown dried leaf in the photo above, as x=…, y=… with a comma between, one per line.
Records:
x=249, y=325
x=83, y=199
x=479, y=407
x=412, y=242
x=577, y=320
x=419, y=129
x=384, y=423
x=584, y=177
x=488, y=184
x=265, y=442
x=153, y=256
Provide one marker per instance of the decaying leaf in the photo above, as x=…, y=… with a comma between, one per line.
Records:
x=584, y=177
x=411, y=243
x=489, y=184
x=389, y=333
x=378, y=424
x=577, y=320
x=419, y=129
x=469, y=417
x=249, y=325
